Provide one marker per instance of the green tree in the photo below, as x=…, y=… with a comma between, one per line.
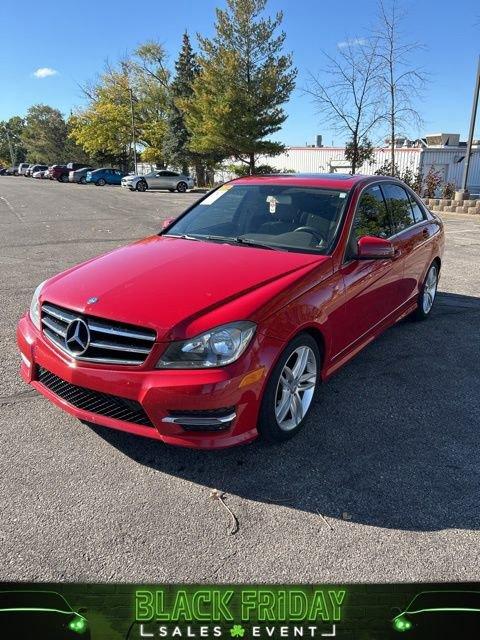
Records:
x=359, y=151
x=12, y=149
x=45, y=135
x=104, y=128
x=177, y=138
x=150, y=80
x=243, y=83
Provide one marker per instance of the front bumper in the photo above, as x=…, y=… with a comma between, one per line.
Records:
x=161, y=393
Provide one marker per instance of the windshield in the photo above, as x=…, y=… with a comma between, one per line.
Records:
x=277, y=216
x=32, y=600
x=445, y=600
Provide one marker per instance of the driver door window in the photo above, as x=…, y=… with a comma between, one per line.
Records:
x=371, y=219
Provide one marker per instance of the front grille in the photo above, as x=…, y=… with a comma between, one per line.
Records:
x=109, y=342
x=94, y=401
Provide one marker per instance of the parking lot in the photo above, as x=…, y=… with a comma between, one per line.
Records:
x=383, y=484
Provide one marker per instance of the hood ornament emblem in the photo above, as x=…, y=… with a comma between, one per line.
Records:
x=92, y=300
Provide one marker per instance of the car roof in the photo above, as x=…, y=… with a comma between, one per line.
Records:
x=343, y=181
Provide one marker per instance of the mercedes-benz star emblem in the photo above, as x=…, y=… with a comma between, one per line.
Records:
x=77, y=337
x=92, y=300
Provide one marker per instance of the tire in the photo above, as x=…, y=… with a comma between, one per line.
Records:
x=83, y=180
x=182, y=187
x=428, y=293
x=63, y=178
x=141, y=185
x=279, y=400
x=100, y=182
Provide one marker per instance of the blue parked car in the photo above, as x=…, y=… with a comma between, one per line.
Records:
x=104, y=176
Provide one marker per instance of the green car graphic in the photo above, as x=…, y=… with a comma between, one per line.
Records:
x=440, y=614
x=43, y=615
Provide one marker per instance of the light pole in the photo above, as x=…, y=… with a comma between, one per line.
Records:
x=133, y=131
x=463, y=189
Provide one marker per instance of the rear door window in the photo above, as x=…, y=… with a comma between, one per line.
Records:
x=418, y=212
x=399, y=206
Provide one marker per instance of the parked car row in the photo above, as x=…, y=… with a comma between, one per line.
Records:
x=81, y=174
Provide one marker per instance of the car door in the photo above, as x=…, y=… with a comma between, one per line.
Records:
x=411, y=233
x=162, y=179
x=152, y=179
x=117, y=176
x=370, y=285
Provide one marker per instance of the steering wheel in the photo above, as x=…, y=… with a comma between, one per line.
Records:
x=314, y=232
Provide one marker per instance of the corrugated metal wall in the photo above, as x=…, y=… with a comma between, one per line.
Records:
x=450, y=163
x=318, y=160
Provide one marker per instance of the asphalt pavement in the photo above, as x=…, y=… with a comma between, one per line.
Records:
x=383, y=485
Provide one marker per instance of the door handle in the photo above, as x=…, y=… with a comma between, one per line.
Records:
x=425, y=233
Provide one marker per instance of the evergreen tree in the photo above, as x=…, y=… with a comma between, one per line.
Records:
x=177, y=138
x=358, y=152
x=243, y=82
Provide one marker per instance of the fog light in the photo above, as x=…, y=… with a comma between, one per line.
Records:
x=209, y=420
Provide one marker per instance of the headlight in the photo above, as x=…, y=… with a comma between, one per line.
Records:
x=214, y=348
x=402, y=624
x=78, y=624
x=35, y=306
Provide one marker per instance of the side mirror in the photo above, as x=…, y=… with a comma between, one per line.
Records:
x=395, y=611
x=372, y=248
x=82, y=611
x=167, y=222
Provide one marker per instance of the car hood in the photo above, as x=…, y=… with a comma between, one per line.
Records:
x=180, y=287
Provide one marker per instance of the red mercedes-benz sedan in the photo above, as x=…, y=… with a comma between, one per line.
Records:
x=222, y=327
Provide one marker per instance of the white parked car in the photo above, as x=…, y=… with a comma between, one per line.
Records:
x=22, y=167
x=160, y=179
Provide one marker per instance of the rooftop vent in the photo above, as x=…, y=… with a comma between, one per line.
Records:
x=443, y=139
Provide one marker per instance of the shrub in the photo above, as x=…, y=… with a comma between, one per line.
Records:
x=433, y=180
x=448, y=191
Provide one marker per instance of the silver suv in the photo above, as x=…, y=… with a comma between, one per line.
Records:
x=160, y=179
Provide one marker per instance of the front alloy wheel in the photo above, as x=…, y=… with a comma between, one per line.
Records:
x=181, y=187
x=427, y=293
x=141, y=185
x=291, y=390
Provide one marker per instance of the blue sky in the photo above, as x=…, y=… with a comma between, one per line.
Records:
x=76, y=39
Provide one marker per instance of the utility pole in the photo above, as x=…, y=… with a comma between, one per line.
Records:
x=466, y=166
x=134, y=142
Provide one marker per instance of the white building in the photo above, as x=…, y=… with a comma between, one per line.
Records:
x=443, y=151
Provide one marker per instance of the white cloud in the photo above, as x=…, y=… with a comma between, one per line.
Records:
x=352, y=42
x=45, y=72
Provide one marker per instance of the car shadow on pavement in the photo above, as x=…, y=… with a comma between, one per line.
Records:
x=393, y=442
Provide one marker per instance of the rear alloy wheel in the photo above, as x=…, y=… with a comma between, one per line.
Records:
x=101, y=182
x=141, y=185
x=427, y=293
x=83, y=180
x=181, y=187
x=291, y=390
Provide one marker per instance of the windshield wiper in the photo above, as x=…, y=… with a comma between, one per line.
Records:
x=227, y=240
x=255, y=243
x=183, y=236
